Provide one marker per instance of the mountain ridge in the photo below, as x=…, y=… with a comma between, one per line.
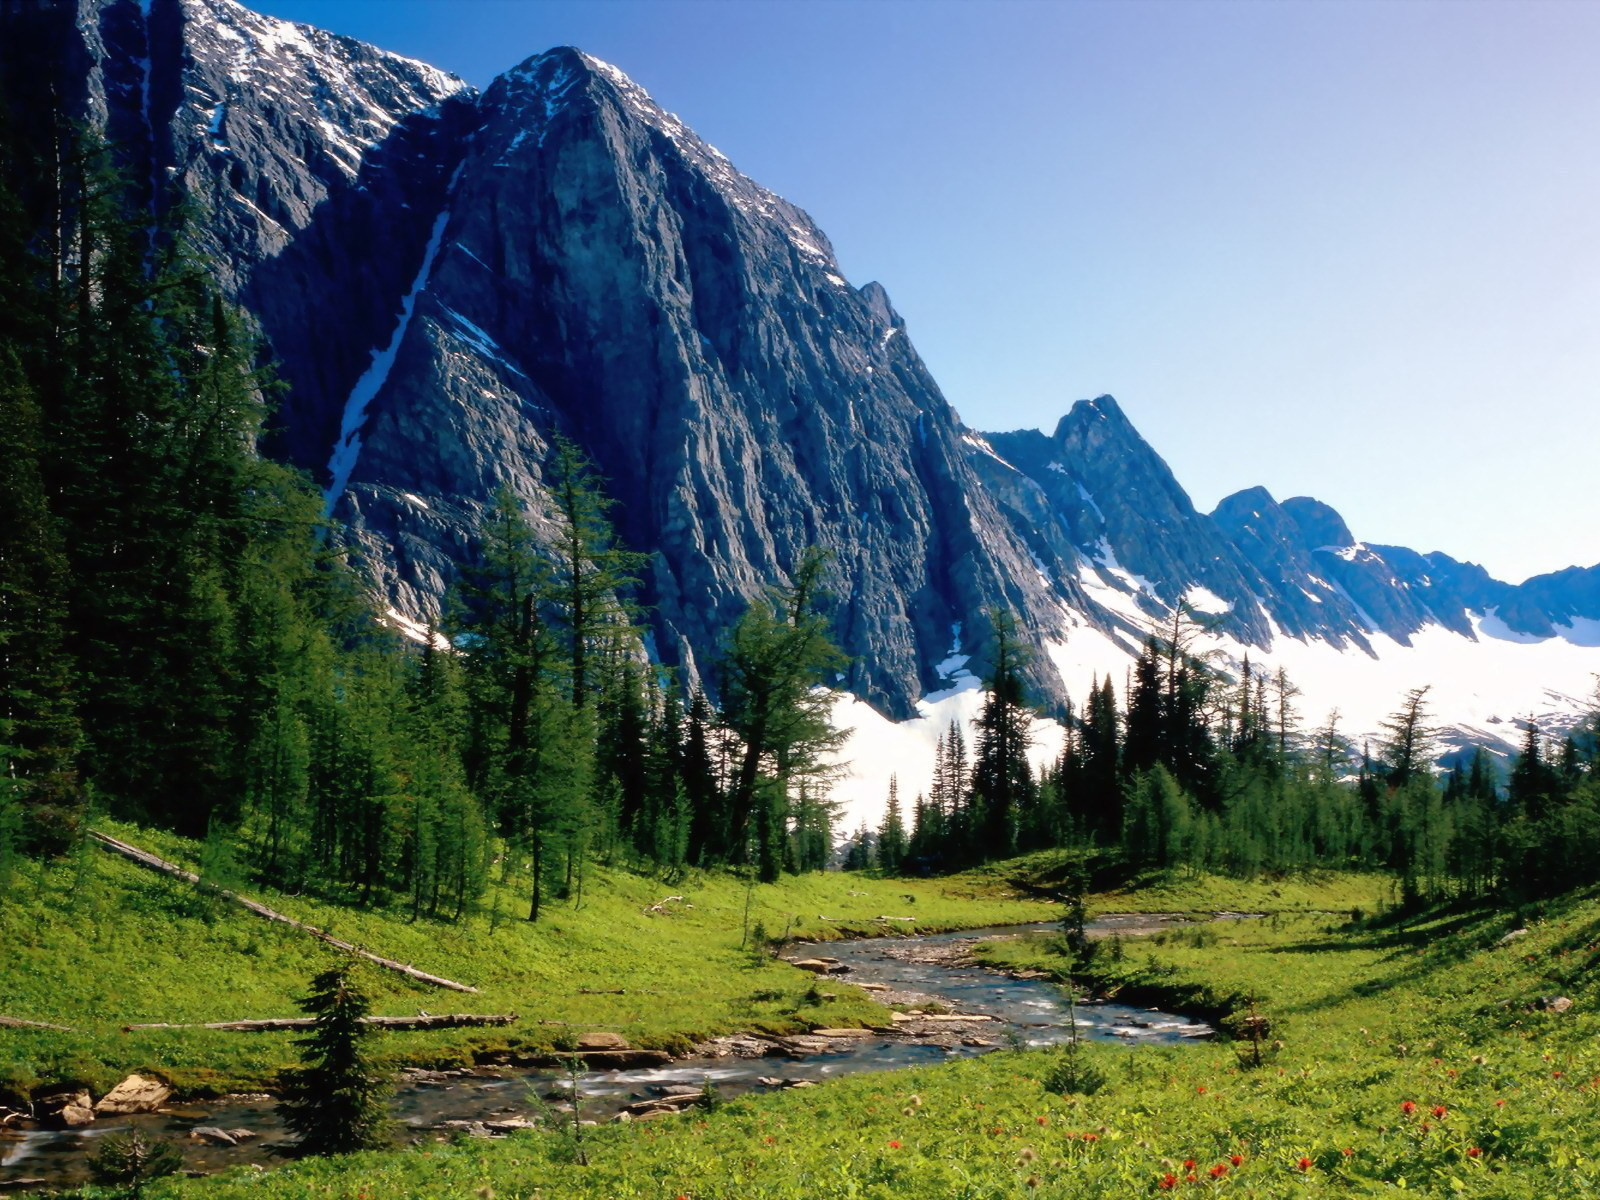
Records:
x=451, y=278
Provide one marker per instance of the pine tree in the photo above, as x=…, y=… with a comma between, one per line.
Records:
x=892, y=836
x=1003, y=787
x=777, y=655
x=335, y=1102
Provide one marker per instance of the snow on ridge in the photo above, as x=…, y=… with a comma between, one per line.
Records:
x=982, y=444
x=1204, y=600
x=332, y=77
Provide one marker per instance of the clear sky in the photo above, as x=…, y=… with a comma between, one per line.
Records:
x=1342, y=249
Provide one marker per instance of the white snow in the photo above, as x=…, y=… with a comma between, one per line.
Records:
x=982, y=444
x=348, y=447
x=479, y=340
x=1204, y=600
x=417, y=500
x=415, y=630
x=879, y=748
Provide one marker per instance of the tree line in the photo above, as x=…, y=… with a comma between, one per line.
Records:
x=1203, y=769
x=183, y=643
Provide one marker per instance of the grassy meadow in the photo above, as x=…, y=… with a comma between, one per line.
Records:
x=1402, y=1055
x=97, y=943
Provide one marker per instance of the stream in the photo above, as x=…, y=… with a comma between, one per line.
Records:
x=931, y=973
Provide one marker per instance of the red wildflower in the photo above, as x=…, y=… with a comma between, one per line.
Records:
x=1408, y=1107
x=1168, y=1182
x=1042, y=1120
x=1440, y=1111
x=1236, y=1159
x=1200, y=1091
x=1499, y=1103
x=1555, y=1074
x=1091, y=1137
x=1218, y=1171
x=1349, y=1151
x=894, y=1145
x=1188, y=1164
x=1473, y=1152
x=1190, y=1177
x=1304, y=1164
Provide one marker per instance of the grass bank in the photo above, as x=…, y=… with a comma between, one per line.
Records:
x=99, y=943
x=1413, y=1062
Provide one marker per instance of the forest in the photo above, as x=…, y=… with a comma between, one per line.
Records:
x=186, y=645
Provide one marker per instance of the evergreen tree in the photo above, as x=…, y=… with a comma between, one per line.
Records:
x=335, y=1102
x=892, y=836
x=1003, y=787
x=777, y=656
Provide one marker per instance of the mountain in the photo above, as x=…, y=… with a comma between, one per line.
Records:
x=450, y=280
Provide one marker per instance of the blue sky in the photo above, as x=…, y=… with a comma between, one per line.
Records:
x=1349, y=250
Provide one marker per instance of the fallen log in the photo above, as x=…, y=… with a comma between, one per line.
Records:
x=19, y=1023
x=145, y=859
x=278, y=1024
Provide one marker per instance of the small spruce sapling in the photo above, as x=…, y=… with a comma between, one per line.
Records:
x=132, y=1160
x=335, y=1102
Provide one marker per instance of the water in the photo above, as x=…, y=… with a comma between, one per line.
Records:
x=1033, y=1012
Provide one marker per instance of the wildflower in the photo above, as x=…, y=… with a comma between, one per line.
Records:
x=1191, y=1178
x=1028, y=1155
x=1032, y=1181
x=1188, y=1164
x=1499, y=1103
x=1200, y=1091
x=1168, y=1182
x=1440, y=1111
x=1042, y=1120
x=1304, y=1164
x=1349, y=1151
x=1408, y=1107
x=1473, y=1152
x=1555, y=1074
x=893, y=1145
x=1236, y=1159
x=915, y=1101
x=1218, y=1171
x=1091, y=1137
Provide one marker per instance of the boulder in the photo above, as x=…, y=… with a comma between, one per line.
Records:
x=815, y=965
x=601, y=1040
x=135, y=1094
x=212, y=1136
x=616, y=1060
x=843, y=1033
x=67, y=1109
x=1555, y=1004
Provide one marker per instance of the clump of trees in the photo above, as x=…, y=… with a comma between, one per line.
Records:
x=1203, y=770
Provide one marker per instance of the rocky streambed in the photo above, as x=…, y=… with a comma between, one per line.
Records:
x=952, y=1008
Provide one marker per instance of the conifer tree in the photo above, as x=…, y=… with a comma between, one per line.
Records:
x=892, y=837
x=777, y=655
x=335, y=1102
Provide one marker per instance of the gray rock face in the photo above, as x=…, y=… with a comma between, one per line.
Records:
x=604, y=273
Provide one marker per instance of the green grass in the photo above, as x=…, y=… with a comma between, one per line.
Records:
x=1433, y=1011
x=100, y=943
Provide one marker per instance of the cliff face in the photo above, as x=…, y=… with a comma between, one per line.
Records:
x=604, y=273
